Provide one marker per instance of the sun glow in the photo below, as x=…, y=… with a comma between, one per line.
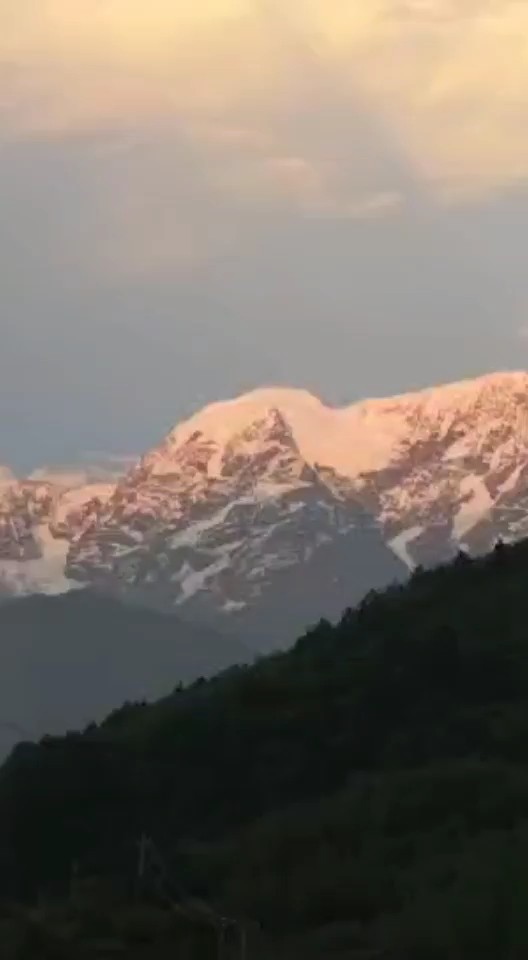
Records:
x=446, y=80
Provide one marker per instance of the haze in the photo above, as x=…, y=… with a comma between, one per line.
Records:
x=200, y=198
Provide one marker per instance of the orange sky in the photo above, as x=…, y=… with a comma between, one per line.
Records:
x=446, y=78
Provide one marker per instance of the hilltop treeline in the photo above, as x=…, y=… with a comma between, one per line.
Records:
x=367, y=790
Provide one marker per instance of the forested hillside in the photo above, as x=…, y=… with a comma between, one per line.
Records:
x=367, y=791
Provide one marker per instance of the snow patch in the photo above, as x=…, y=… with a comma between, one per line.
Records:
x=190, y=536
x=512, y=480
x=74, y=500
x=43, y=575
x=232, y=606
x=475, y=507
x=192, y=581
x=399, y=545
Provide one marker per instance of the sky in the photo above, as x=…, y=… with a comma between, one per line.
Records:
x=200, y=198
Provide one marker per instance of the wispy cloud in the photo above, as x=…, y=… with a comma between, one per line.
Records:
x=448, y=78
x=194, y=117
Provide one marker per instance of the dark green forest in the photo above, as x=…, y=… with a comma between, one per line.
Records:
x=362, y=795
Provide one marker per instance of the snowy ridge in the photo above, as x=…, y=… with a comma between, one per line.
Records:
x=363, y=436
x=218, y=519
x=435, y=467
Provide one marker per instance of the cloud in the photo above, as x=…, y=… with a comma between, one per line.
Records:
x=183, y=127
x=451, y=80
x=447, y=78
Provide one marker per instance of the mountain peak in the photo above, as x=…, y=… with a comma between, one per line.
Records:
x=354, y=439
x=222, y=420
x=264, y=457
x=270, y=428
x=254, y=485
x=246, y=426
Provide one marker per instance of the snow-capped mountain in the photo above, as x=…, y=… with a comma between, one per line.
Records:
x=38, y=520
x=274, y=508
x=227, y=523
x=456, y=473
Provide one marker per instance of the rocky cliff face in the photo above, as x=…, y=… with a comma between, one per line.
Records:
x=241, y=532
x=274, y=509
x=458, y=470
x=38, y=522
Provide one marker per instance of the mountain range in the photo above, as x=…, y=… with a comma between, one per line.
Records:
x=216, y=522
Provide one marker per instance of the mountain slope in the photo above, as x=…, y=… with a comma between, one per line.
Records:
x=456, y=473
x=66, y=661
x=231, y=525
x=369, y=787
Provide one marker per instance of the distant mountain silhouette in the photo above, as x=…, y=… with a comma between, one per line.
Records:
x=66, y=661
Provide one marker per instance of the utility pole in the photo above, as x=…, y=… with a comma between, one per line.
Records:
x=74, y=873
x=243, y=942
x=141, y=864
x=151, y=868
